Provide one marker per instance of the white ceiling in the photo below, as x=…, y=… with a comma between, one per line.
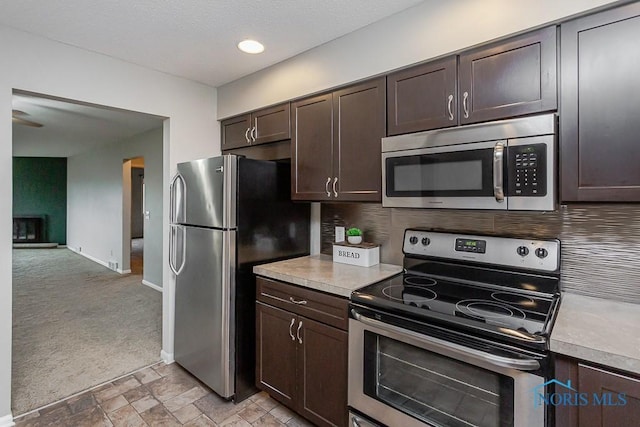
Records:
x=69, y=129
x=196, y=39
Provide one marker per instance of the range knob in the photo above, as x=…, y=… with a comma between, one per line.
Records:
x=413, y=240
x=542, y=253
x=426, y=241
x=523, y=251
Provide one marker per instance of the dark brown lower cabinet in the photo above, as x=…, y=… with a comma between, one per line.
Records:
x=276, y=353
x=605, y=398
x=322, y=372
x=302, y=363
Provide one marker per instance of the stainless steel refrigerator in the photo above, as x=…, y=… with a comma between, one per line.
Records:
x=228, y=214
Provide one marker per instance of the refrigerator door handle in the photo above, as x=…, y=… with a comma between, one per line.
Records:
x=177, y=200
x=183, y=251
x=172, y=249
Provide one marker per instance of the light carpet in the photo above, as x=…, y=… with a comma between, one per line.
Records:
x=76, y=324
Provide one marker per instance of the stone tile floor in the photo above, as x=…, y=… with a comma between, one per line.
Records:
x=160, y=395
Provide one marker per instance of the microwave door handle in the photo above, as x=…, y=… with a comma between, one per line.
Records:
x=450, y=347
x=498, y=171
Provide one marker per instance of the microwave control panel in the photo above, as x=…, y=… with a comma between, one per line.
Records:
x=527, y=168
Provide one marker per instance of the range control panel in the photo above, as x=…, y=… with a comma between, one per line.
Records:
x=543, y=255
x=471, y=245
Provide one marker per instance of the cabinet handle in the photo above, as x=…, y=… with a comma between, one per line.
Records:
x=335, y=181
x=246, y=135
x=291, y=330
x=299, y=302
x=449, y=103
x=298, y=332
x=254, y=133
x=465, y=104
x=326, y=187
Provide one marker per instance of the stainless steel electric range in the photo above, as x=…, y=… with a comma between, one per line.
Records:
x=461, y=338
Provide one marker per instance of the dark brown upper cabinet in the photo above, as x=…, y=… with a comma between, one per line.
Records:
x=260, y=127
x=505, y=79
x=335, y=144
x=311, y=148
x=600, y=107
x=509, y=78
x=423, y=97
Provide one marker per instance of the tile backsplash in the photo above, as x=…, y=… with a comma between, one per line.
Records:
x=599, y=256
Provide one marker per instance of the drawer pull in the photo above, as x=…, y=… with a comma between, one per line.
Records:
x=299, y=302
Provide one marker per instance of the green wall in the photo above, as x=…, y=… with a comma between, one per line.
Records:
x=40, y=188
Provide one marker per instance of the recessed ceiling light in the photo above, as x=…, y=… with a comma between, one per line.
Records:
x=251, y=46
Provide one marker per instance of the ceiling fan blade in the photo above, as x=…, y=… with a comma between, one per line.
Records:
x=19, y=121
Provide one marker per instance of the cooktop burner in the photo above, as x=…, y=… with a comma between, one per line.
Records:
x=419, y=281
x=410, y=294
x=483, y=309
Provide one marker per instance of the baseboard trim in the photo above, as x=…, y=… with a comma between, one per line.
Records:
x=98, y=261
x=166, y=357
x=89, y=257
x=7, y=421
x=152, y=285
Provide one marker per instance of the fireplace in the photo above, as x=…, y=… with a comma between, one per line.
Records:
x=29, y=229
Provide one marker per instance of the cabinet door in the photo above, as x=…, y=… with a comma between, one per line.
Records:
x=276, y=353
x=271, y=124
x=611, y=386
x=322, y=373
x=509, y=78
x=359, y=117
x=423, y=97
x=311, y=148
x=235, y=132
x=600, y=107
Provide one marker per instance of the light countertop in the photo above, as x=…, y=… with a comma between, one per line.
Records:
x=598, y=330
x=319, y=272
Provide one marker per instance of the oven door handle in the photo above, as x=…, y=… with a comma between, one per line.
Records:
x=449, y=347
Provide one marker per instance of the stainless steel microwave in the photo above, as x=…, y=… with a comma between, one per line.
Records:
x=504, y=165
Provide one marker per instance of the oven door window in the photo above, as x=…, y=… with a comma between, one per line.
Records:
x=467, y=173
x=433, y=388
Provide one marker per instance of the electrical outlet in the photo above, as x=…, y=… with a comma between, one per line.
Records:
x=339, y=234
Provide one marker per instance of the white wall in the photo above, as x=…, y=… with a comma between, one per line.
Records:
x=39, y=65
x=96, y=197
x=430, y=29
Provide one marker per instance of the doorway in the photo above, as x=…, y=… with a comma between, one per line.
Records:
x=137, y=213
x=81, y=318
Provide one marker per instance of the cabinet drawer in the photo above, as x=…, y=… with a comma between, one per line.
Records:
x=328, y=309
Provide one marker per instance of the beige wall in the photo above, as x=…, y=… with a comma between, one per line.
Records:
x=430, y=29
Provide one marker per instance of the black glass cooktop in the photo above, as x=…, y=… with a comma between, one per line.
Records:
x=513, y=306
